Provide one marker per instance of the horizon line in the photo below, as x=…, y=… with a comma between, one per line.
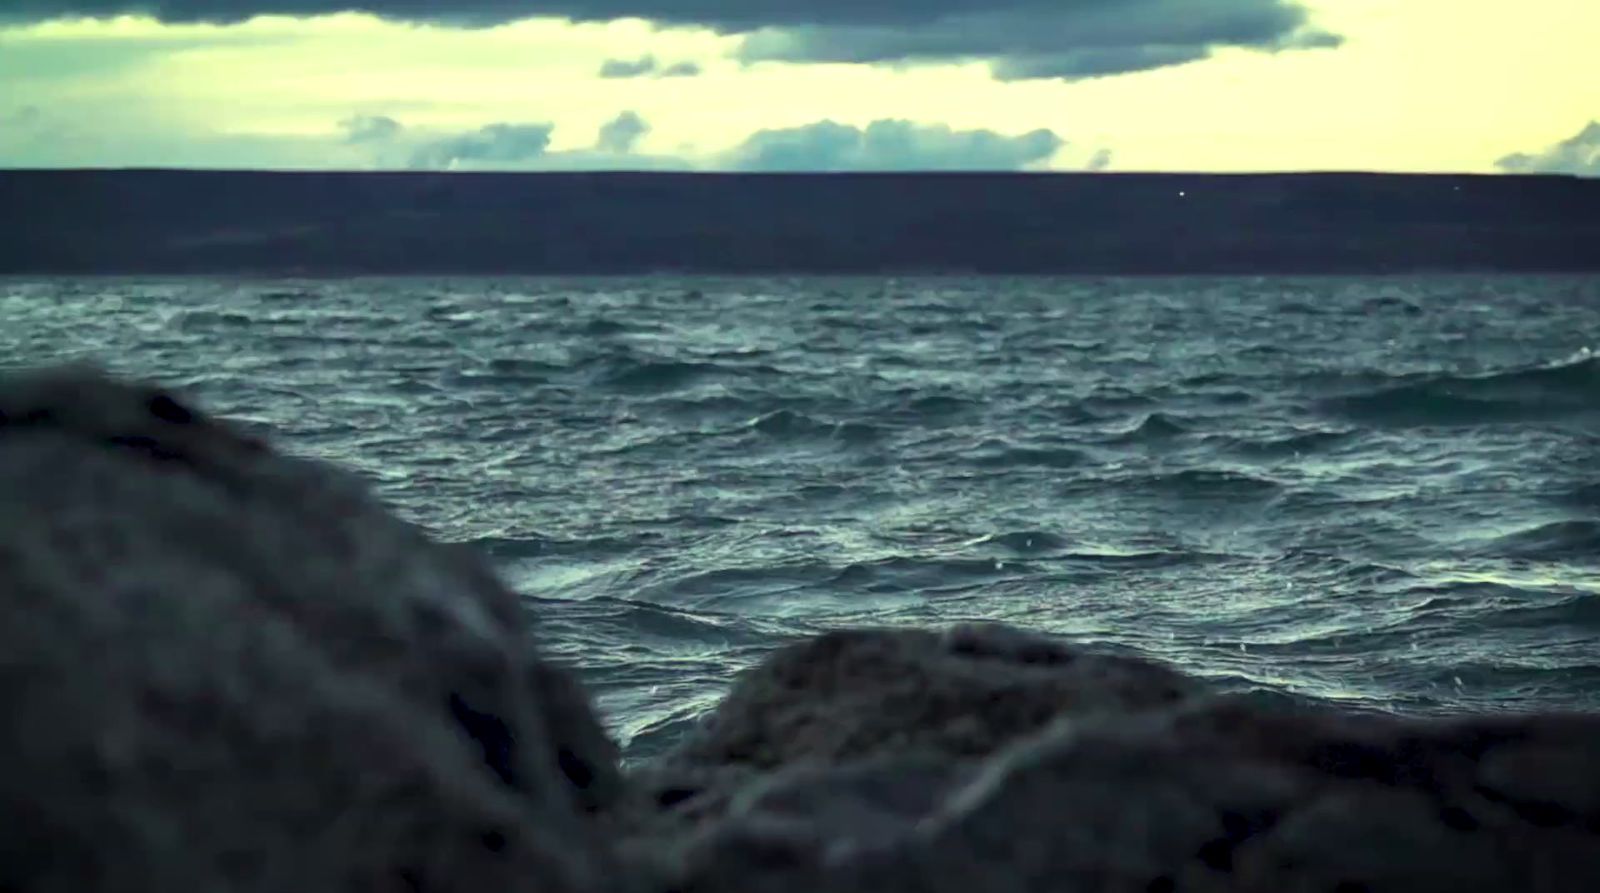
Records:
x=656, y=172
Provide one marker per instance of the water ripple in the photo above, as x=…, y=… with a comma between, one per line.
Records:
x=1383, y=491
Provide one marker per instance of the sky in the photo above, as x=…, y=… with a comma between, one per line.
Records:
x=784, y=85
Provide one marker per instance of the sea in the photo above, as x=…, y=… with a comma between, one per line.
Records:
x=1383, y=492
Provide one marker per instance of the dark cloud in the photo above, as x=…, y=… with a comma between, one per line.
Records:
x=621, y=134
x=1022, y=38
x=725, y=15
x=370, y=129
x=890, y=145
x=1094, y=63
x=1579, y=156
x=1069, y=40
x=618, y=69
x=496, y=145
x=681, y=70
x=646, y=66
x=1099, y=161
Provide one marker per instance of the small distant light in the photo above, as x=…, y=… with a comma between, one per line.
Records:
x=1182, y=194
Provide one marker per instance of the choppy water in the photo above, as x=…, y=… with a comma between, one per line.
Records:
x=1385, y=491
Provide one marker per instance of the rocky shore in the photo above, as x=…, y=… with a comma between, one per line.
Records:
x=227, y=669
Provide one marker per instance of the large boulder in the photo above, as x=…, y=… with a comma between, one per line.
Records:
x=225, y=669
x=1149, y=785
x=851, y=695
x=860, y=696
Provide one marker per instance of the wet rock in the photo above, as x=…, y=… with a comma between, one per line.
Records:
x=223, y=668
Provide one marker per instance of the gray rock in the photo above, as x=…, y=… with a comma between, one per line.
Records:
x=1122, y=792
x=225, y=669
x=856, y=695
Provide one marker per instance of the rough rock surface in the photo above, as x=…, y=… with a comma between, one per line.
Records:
x=225, y=669
x=1146, y=786
x=857, y=696
x=850, y=695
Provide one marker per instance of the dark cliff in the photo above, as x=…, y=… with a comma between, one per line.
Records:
x=397, y=223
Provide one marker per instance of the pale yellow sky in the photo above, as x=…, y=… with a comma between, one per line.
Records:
x=1418, y=85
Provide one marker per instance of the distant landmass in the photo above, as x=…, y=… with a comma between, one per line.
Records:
x=208, y=222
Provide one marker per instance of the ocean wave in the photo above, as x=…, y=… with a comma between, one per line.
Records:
x=601, y=328
x=915, y=574
x=1482, y=611
x=1154, y=428
x=1001, y=455
x=680, y=485
x=1115, y=401
x=1142, y=559
x=1539, y=392
x=1308, y=443
x=1205, y=483
x=1391, y=304
x=1571, y=539
x=210, y=320
x=815, y=587
x=512, y=375
x=661, y=375
x=1585, y=496
x=1028, y=542
x=513, y=367
x=508, y=548
x=284, y=295
x=661, y=628
x=732, y=407
x=1044, y=546
x=1321, y=564
x=789, y=425
x=638, y=372
x=1580, y=610
x=935, y=405
x=702, y=587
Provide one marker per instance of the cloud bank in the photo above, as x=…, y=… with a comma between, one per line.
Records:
x=370, y=129
x=496, y=145
x=884, y=145
x=621, y=134
x=1020, y=39
x=1579, y=156
x=646, y=66
x=890, y=145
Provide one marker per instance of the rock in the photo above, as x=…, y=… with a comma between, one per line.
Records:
x=878, y=700
x=854, y=695
x=226, y=669
x=1147, y=785
x=1217, y=796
